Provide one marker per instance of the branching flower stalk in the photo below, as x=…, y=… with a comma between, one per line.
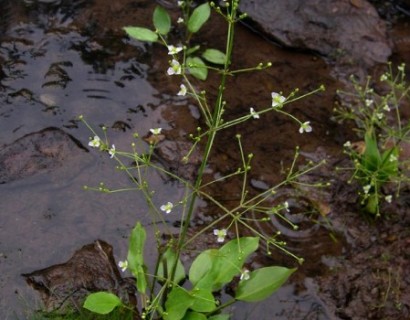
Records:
x=212, y=268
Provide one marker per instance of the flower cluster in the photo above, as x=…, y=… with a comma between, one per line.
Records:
x=220, y=234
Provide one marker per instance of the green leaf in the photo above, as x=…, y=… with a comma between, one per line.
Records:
x=222, y=316
x=197, y=68
x=102, y=302
x=214, y=56
x=228, y=262
x=262, y=283
x=201, y=265
x=136, y=256
x=199, y=16
x=204, y=300
x=192, y=50
x=371, y=156
x=194, y=316
x=142, y=34
x=162, y=20
x=390, y=164
x=167, y=262
x=372, y=204
x=178, y=302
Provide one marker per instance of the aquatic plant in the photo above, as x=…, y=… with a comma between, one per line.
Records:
x=378, y=160
x=170, y=291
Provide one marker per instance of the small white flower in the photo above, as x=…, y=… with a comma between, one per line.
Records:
x=111, y=151
x=368, y=102
x=383, y=77
x=392, y=158
x=221, y=234
x=379, y=115
x=254, y=114
x=388, y=198
x=182, y=91
x=401, y=67
x=286, y=206
x=180, y=20
x=386, y=107
x=180, y=3
x=173, y=50
x=175, y=68
x=167, y=208
x=95, y=142
x=305, y=127
x=155, y=131
x=347, y=144
x=123, y=265
x=245, y=275
x=366, y=188
x=277, y=100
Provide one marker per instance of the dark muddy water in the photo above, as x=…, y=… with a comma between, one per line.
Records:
x=63, y=59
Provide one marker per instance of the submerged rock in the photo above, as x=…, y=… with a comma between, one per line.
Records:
x=92, y=268
x=347, y=32
x=37, y=152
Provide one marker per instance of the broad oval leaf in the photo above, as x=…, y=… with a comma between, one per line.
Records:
x=222, y=316
x=262, y=283
x=204, y=300
x=102, y=302
x=197, y=68
x=166, y=265
x=162, y=20
x=199, y=16
x=201, y=265
x=214, y=56
x=177, y=304
x=142, y=34
x=194, y=316
x=227, y=262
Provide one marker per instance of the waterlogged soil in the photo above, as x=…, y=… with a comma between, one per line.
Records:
x=62, y=59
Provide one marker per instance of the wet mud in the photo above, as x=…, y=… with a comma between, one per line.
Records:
x=62, y=59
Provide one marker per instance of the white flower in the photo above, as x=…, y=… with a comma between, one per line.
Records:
x=111, y=152
x=180, y=3
x=182, y=91
x=95, y=142
x=388, y=198
x=180, y=20
x=392, y=158
x=277, y=100
x=253, y=113
x=245, y=274
x=123, y=265
x=286, y=206
x=175, y=68
x=383, y=77
x=386, y=107
x=167, y=208
x=305, y=127
x=366, y=188
x=379, y=115
x=221, y=234
x=368, y=102
x=173, y=50
x=401, y=67
x=347, y=144
x=155, y=131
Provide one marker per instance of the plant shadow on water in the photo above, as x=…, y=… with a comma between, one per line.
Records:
x=61, y=59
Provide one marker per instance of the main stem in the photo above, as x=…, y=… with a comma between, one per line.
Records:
x=216, y=121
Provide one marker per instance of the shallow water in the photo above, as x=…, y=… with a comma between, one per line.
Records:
x=60, y=60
